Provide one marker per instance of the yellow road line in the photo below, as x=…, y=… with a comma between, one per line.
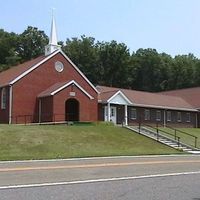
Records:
x=97, y=165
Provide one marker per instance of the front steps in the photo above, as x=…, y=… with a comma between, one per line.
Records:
x=164, y=139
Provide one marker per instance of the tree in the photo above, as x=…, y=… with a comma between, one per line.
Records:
x=31, y=43
x=8, y=46
x=182, y=72
x=113, y=63
x=149, y=70
x=83, y=52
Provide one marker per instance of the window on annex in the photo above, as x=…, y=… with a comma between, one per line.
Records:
x=133, y=113
x=179, y=116
x=3, y=98
x=169, y=116
x=187, y=117
x=146, y=114
x=158, y=115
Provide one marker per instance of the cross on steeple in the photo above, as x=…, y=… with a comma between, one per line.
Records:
x=53, y=43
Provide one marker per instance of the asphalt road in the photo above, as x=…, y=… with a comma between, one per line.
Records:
x=166, y=177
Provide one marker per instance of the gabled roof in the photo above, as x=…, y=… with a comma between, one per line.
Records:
x=15, y=73
x=120, y=94
x=146, y=99
x=6, y=77
x=54, y=89
x=191, y=95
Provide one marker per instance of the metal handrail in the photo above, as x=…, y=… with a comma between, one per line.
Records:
x=177, y=138
x=177, y=130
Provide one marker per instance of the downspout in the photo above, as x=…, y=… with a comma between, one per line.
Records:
x=10, y=105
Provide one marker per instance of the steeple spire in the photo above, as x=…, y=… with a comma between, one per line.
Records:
x=53, y=42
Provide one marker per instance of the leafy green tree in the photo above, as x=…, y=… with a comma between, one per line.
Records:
x=83, y=52
x=149, y=70
x=31, y=43
x=182, y=72
x=113, y=64
x=8, y=46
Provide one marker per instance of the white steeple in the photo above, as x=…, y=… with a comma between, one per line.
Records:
x=53, y=43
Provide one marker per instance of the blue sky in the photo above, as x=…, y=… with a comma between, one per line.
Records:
x=171, y=26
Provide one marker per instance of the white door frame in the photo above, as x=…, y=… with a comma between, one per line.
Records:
x=110, y=114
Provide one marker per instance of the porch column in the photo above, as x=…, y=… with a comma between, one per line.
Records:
x=108, y=112
x=126, y=115
x=10, y=105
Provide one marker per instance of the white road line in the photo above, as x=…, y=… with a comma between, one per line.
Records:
x=97, y=180
x=97, y=158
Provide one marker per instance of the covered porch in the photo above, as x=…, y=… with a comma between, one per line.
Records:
x=115, y=109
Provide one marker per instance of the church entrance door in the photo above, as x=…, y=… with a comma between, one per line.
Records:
x=72, y=110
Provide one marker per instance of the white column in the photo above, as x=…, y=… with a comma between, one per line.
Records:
x=108, y=112
x=10, y=105
x=126, y=115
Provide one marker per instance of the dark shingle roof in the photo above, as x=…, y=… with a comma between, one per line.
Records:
x=149, y=99
x=191, y=95
x=11, y=74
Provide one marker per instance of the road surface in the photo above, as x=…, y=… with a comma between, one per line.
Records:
x=151, y=177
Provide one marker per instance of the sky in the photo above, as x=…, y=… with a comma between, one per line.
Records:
x=170, y=26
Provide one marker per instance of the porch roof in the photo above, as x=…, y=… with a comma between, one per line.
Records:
x=52, y=90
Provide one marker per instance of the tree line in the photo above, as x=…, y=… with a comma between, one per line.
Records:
x=107, y=63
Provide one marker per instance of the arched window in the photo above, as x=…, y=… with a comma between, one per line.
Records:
x=3, y=98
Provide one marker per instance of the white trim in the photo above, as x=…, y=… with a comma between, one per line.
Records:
x=32, y=68
x=47, y=58
x=108, y=116
x=164, y=107
x=78, y=70
x=123, y=95
x=69, y=83
x=10, y=105
x=126, y=115
x=146, y=105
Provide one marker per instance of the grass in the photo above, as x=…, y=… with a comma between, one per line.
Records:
x=185, y=138
x=62, y=141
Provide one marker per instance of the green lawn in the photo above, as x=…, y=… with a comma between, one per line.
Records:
x=62, y=141
x=185, y=138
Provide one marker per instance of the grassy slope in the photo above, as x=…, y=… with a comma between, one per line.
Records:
x=62, y=141
x=187, y=139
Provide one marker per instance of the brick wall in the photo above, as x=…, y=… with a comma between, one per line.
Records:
x=25, y=91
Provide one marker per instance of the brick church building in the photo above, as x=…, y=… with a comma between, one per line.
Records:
x=51, y=88
x=48, y=88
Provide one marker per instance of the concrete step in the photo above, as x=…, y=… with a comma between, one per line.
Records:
x=163, y=139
